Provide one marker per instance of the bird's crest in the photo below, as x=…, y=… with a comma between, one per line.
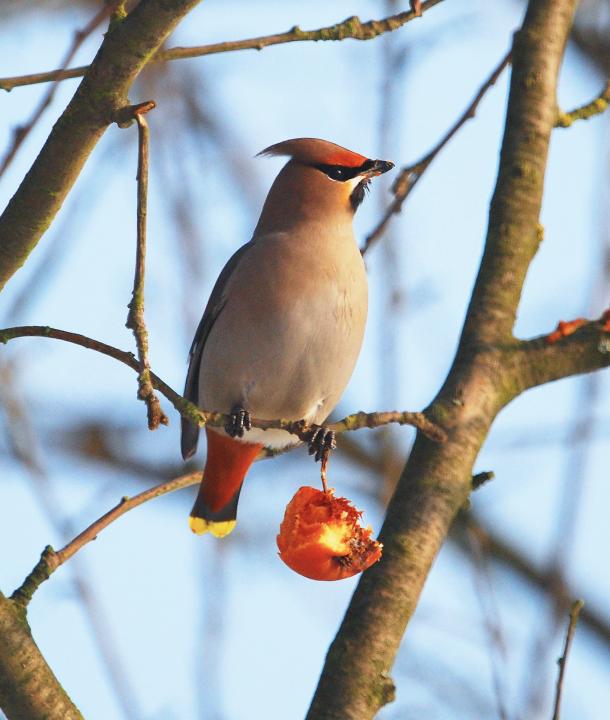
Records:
x=312, y=151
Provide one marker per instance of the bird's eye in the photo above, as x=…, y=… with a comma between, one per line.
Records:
x=336, y=173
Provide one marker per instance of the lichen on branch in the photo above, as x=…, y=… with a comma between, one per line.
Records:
x=350, y=28
x=595, y=107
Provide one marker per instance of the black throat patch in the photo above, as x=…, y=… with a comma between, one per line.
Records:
x=358, y=193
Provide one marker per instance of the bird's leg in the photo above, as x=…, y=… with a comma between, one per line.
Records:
x=323, y=471
x=240, y=421
x=321, y=443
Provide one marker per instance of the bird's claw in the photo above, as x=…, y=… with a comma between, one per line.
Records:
x=240, y=421
x=321, y=442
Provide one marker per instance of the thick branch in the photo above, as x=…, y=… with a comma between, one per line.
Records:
x=513, y=234
x=351, y=28
x=126, y=49
x=436, y=481
x=28, y=688
x=537, y=361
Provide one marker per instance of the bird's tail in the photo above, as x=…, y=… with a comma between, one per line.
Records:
x=227, y=463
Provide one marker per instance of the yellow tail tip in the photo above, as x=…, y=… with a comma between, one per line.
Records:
x=200, y=526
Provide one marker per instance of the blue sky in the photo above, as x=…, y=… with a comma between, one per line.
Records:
x=208, y=629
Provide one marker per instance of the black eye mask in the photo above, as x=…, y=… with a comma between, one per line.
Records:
x=341, y=173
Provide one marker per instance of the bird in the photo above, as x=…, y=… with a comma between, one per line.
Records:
x=284, y=324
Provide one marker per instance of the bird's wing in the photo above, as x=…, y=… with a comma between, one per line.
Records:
x=190, y=431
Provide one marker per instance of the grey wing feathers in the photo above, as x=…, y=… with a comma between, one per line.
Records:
x=190, y=431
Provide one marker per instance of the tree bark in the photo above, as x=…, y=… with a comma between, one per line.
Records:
x=28, y=688
x=489, y=370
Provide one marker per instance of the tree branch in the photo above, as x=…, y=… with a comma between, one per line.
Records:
x=135, y=318
x=217, y=419
x=513, y=234
x=574, y=612
x=437, y=479
x=28, y=688
x=351, y=28
x=50, y=560
x=537, y=361
x=409, y=176
x=127, y=47
x=584, y=112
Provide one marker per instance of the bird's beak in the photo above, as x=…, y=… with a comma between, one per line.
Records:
x=379, y=167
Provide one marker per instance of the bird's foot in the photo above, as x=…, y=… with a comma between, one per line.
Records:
x=321, y=443
x=240, y=422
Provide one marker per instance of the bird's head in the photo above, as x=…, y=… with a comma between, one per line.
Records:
x=321, y=177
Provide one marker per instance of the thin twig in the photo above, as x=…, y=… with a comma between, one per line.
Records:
x=135, y=318
x=351, y=28
x=574, y=612
x=378, y=419
x=584, y=112
x=410, y=175
x=22, y=131
x=217, y=419
x=50, y=560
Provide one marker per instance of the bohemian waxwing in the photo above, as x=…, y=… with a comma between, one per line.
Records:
x=283, y=327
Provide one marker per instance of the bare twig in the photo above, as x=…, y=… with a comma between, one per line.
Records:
x=50, y=560
x=22, y=131
x=574, y=612
x=584, y=112
x=377, y=419
x=135, y=318
x=351, y=28
x=410, y=175
x=216, y=419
